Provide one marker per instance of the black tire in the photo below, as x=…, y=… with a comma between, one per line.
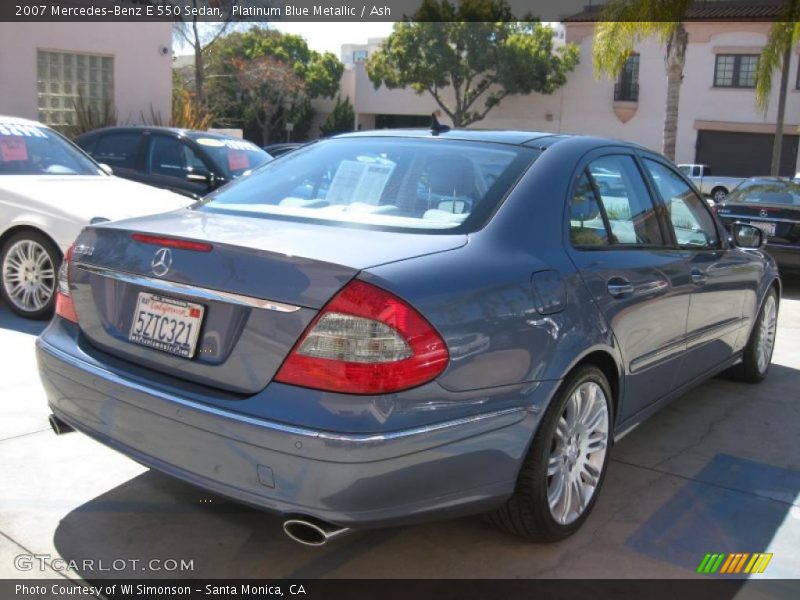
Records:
x=749, y=370
x=54, y=256
x=527, y=513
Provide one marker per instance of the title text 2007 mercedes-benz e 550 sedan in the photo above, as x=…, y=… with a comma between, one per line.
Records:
x=389, y=327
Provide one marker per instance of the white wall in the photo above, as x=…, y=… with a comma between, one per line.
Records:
x=142, y=74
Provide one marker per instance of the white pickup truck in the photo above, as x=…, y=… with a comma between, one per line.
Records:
x=713, y=186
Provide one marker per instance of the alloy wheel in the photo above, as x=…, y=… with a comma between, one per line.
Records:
x=29, y=276
x=577, y=454
x=767, y=327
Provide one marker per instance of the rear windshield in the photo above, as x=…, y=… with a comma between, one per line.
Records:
x=33, y=150
x=429, y=185
x=233, y=156
x=779, y=193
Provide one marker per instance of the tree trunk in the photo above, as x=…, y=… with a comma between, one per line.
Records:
x=777, y=144
x=198, y=74
x=675, y=62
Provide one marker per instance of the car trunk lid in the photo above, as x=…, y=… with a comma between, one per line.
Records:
x=259, y=285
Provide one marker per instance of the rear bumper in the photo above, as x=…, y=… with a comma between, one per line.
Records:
x=448, y=469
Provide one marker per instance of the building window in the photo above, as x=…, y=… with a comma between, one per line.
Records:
x=359, y=56
x=735, y=70
x=64, y=77
x=627, y=86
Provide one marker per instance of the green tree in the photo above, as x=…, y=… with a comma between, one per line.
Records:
x=261, y=80
x=341, y=119
x=777, y=54
x=624, y=24
x=470, y=57
x=200, y=34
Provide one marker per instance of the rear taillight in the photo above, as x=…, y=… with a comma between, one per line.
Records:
x=65, y=308
x=365, y=341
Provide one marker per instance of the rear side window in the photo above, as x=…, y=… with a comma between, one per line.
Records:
x=118, y=149
x=622, y=206
x=172, y=157
x=689, y=215
x=587, y=227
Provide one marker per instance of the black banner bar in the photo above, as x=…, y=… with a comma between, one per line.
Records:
x=344, y=10
x=717, y=588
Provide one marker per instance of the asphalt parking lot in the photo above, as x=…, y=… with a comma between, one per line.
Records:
x=716, y=471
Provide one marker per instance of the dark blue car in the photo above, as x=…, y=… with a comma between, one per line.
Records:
x=389, y=327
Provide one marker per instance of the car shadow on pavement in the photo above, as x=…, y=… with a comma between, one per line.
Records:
x=712, y=472
x=11, y=321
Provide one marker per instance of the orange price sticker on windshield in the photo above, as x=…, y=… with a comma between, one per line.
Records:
x=237, y=160
x=13, y=148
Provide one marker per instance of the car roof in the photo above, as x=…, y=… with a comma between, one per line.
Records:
x=160, y=128
x=538, y=139
x=768, y=179
x=20, y=121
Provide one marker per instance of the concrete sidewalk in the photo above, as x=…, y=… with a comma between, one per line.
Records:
x=716, y=471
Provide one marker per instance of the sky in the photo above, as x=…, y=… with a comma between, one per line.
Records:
x=322, y=37
x=329, y=36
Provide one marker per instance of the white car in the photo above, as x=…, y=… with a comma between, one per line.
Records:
x=50, y=190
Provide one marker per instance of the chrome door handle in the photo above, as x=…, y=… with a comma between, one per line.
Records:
x=699, y=277
x=619, y=287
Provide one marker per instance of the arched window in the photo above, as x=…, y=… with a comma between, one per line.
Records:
x=627, y=86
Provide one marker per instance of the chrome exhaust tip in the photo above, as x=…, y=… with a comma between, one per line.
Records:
x=312, y=532
x=58, y=426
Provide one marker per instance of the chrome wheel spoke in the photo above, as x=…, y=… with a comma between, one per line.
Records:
x=577, y=454
x=29, y=275
x=766, y=334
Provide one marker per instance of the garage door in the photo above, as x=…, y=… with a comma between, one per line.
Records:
x=743, y=154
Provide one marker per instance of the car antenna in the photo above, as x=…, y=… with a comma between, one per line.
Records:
x=436, y=127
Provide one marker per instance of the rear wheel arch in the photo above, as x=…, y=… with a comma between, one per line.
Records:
x=606, y=362
x=11, y=231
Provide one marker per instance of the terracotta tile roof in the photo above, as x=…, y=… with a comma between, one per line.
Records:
x=707, y=10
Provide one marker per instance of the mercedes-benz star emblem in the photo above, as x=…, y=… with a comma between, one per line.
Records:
x=763, y=213
x=162, y=261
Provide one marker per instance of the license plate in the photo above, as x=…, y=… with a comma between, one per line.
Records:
x=767, y=228
x=166, y=324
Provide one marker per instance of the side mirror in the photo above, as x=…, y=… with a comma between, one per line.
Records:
x=747, y=236
x=106, y=168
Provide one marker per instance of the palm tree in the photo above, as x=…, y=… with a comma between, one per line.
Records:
x=626, y=23
x=777, y=54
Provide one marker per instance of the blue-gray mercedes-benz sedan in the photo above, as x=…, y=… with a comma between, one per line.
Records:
x=388, y=327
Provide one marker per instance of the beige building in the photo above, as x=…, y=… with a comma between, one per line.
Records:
x=45, y=66
x=719, y=123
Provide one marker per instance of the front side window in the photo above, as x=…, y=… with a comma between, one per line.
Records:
x=628, y=208
x=171, y=157
x=427, y=185
x=627, y=86
x=688, y=213
x=118, y=149
x=67, y=79
x=736, y=70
